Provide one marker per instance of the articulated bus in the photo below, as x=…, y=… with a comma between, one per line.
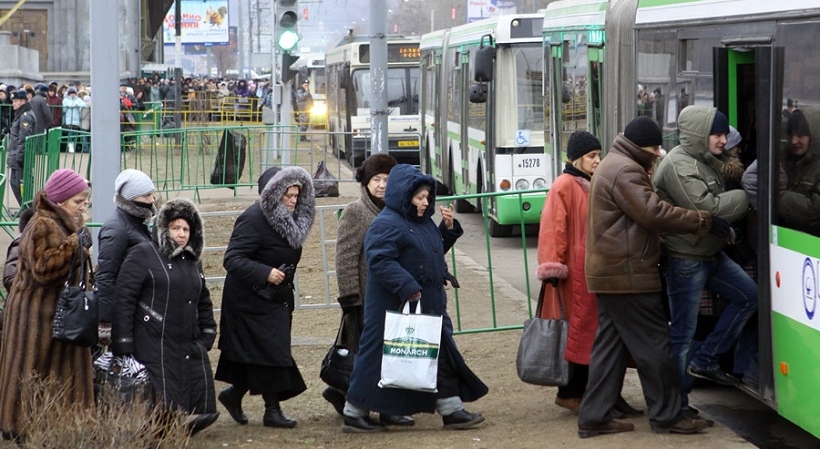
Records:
x=488, y=136
x=756, y=62
x=349, y=92
x=311, y=68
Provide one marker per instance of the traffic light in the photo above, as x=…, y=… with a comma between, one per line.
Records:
x=286, y=17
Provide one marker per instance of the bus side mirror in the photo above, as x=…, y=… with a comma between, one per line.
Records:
x=478, y=93
x=484, y=59
x=344, y=76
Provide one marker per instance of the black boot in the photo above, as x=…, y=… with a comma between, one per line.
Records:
x=336, y=398
x=231, y=399
x=202, y=421
x=275, y=418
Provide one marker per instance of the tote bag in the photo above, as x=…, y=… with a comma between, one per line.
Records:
x=540, y=359
x=411, y=346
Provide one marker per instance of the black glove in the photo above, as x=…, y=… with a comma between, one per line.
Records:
x=720, y=228
x=289, y=269
x=453, y=281
x=85, y=237
x=348, y=301
x=553, y=281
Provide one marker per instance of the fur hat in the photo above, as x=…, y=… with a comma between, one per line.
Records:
x=376, y=164
x=733, y=139
x=172, y=210
x=64, y=184
x=132, y=184
x=19, y=95
x=644, y=132
x=720, y=125
x=42, y=88
x=581, y=143
x=71, y=90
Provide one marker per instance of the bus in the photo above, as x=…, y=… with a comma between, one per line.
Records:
x=754, y=61
x=311, y=68
x=349, y=92
x=482, y=117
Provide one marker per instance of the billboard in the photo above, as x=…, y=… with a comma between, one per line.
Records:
x=204, y=22
x=481, y=9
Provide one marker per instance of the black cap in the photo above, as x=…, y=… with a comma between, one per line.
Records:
x=720, y=125
x=644, y=132
x=581, y=143
x=19, y=95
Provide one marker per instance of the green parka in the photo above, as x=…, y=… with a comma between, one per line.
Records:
x=799, y=205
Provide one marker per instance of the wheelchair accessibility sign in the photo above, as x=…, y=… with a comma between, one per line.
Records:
x=522, y=137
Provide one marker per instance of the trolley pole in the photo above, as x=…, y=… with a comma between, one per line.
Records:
x=378, y=73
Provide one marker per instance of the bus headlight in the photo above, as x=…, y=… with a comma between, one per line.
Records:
x=318, y=109
x=539, y=183
x=522, y=184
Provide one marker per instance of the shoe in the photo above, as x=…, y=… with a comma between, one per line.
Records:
x=336, y=399
x=623, y=410
x=571, y=404
x=201, y=422
x=396, y=420
x=274, y=417
x=716, y=375
x=362, y=424
x=586, y=431
x=462, y=420
x=233, y=405
x=684, y=425
x=689, y=413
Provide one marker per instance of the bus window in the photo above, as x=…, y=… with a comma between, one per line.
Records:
x=529, y=74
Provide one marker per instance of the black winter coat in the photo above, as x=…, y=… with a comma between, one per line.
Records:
x=163, y=314
x=256, y=329
x=24, y=125
x=125, y=229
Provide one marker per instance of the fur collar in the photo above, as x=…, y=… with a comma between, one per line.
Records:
x=45, y=208
x=292, y=226
x=131, y=208
x=170, y=211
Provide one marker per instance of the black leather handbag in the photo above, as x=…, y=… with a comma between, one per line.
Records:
x=338, y=363
x=75, y=320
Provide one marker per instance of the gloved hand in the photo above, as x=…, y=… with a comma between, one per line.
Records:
x=348, y=301
x=103, y=333
x=290, y=270
x=720, y=228
x=85, y=237
x=553, y=281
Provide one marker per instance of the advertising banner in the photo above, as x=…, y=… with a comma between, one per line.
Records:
x=482, y=9
x=204, y=22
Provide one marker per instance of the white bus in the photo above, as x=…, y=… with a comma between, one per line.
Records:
x=484, y=129
x=348, y=98
x=311, y=68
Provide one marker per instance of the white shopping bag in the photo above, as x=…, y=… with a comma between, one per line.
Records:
x=410, y=354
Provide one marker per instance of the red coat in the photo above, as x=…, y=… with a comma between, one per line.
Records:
x=561, y=249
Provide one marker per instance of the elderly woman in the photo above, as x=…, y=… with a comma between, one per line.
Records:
x=164, y=317
x=49, y=244
x=405, y=260
x=257, y=303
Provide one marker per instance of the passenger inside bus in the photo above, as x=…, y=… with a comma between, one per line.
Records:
x=799, y=206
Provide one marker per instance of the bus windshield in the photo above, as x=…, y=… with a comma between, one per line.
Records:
x=528, y=75
x=402, y=91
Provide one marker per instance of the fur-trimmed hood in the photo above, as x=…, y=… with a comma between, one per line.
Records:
x=292, y=226
x=131, y=208
x=170, y=211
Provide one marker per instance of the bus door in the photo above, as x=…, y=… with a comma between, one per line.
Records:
x=560, y=96
x=595, y=88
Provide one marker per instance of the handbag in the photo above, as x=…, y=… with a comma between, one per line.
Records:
x=540, y=359
x=410, y=353
x=338, y=363
x=76, y=317
x=121, y=379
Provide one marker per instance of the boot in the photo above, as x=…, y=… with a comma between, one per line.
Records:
x=275, y=418
x=231, y=399
x=198, y=423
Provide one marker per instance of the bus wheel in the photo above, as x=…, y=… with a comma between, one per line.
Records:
x=464, y=206
x=497, y=230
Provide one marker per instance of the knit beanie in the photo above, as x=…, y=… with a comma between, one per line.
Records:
x=720, y=125
x=733, y=139
x=376, y=164
x=64, y=184
x=644, y=132
x=266, y=176
x=132, y=184
x=581, y=143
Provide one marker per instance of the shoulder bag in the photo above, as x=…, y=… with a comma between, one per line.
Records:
x=338, y=363
x=540, y=359
x=75, y=320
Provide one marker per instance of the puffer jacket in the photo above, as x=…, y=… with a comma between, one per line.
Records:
x=799, y=204
x=691, y=177
x=624, y=222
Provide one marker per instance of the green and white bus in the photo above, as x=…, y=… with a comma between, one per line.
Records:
x=487, y=136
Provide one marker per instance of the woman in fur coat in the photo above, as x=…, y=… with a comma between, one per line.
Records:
x=48, y=246
x=164, y=317
x=257, y=301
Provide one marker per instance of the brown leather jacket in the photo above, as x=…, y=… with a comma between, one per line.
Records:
x=625, y=219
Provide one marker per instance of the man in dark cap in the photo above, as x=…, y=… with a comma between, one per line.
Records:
x=622, y=254
x=40, y=109
x=304, y=102
x=22, y=127
x=691, y=177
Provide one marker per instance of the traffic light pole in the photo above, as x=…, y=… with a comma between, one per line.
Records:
x=378, y=73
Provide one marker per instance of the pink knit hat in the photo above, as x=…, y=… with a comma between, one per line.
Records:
x=64, y=184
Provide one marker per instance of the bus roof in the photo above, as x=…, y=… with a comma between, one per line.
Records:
x=500, y=27
x=310, y=60
x=653, y=12
x=575, y=14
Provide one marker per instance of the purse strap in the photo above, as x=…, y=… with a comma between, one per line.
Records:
x=541, y=300
x=78, y=253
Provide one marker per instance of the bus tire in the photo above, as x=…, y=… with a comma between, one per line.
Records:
x=497, y=230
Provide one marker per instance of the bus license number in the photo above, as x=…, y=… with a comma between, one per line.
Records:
x=408, y=143
x=531, y=163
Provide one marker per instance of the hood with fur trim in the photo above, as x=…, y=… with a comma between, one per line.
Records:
x=170, y=211
x=402, y=183
x=292, y=226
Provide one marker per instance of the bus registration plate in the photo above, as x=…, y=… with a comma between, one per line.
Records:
x=531, y=162
x=408, y=143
